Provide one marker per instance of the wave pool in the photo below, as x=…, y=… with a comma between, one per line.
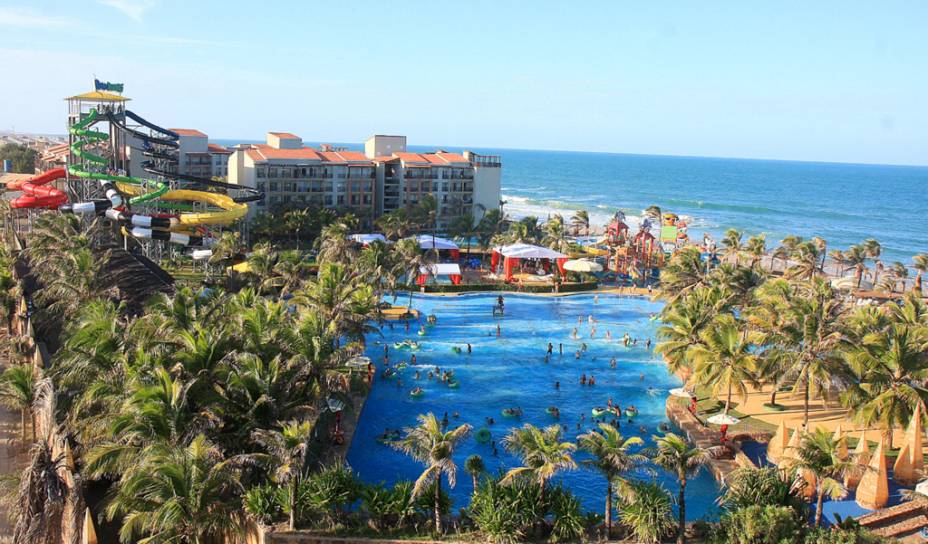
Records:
x=509, y=370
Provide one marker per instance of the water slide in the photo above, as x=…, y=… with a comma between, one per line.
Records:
x=179, y=227
x=36, y=193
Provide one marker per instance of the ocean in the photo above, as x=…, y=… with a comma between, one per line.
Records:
x=842, y=203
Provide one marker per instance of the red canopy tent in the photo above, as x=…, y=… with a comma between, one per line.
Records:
x=514, y=253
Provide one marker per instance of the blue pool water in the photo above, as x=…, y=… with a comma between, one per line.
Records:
x=510, y=371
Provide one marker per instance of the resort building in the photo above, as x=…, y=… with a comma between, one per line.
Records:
x=290, y=173
x=385, y=178
x=197, y=157
x=465, y=183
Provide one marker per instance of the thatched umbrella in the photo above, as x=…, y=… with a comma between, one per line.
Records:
x=861, y=456
x=873, y=490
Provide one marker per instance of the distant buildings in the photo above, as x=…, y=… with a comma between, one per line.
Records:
x=197, y=157
x=385, y=178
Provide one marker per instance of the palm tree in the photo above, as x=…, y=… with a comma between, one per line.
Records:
x=920, y=264
x=683, y=273
x=434, y=447
x=646, y=510
x=474, y=466
x=542, y=452
x=554, y=234
x=802, y=325
x=756, y=247
x=840, y=259
x=580, y=220
x=18, y=392
x=891, y=364
x=673, y=454
x=180, y=494
x=856, y=256
x=732, y=244
x=822, y=246
x=726, y=360
x=611, y=458
x=464, y=226
x=807, y=256
x=897, y=275
x=286, y=452
x=682, y=325
x=818, y=455
x=873, y=249
x=786, y=249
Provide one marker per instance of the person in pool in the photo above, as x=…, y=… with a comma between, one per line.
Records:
x=557, y=386
x=574, y=334
x=550, y=348
x=469, y=349
x=417, y=375
x=592, y=380
x=500, y=303
x=412, y=359
x=583, y=379
x=612, y=362
x=648, y=344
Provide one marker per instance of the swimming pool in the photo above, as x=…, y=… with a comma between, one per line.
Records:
x=510, y=371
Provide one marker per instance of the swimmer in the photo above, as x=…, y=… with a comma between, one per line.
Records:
x=579, y=320
x=592, y=380
x=386, y=350
x=593, y=331
x=583, y=346
x=469, y=349
x=417, y=374
x=608, y=335
x=455, y=415
x=574, y=334
x=612, y=362
x=590, y=319
x=412, y=359
x=550, y=348
x=499, y=331
x=642, y=376
x=557, y=386
x=609, y=402
x=635, y=342
x=577, y=355
x=583, y=379
x=407, y=326
x=578, y=426
x=560, y=349
x=626, y=339
x=431, y=375
x=648, y=344
x=595, y=299
x=547, y=358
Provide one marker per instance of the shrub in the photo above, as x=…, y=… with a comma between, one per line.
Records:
x=646, y=510
x=568, y=522
x=261, y=504
x=505, y=513
x=326, y=494
x=843, y=536
x=388, y=507
x=760, y=525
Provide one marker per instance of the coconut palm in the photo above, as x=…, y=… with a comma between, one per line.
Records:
x=873, y=250
x=727, y=360
x=554, y=234
x=285, y=453
x=732, y=244
x=647, y=511
x=807, y=257
x=891, y=364
x=429, y=444
x=839, y=259
x=18, y=392
x=464, y=226
x=395, y=225
x=291, y=268
x=802, y=326
x=179, y=494
x=920, y=264
x=818, y=455
x=786, y=249
x=612, y=458
x=673, y=454
x=474, y=466
x=898, y=273
x=682, y=325
x=683, y=273
x=856, y=257
x=756, y=247
x=580, y=220
x=542, y=452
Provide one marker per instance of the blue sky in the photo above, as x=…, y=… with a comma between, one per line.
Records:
x=831, y=81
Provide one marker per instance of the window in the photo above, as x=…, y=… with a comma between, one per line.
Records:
x=328, y=200
x=262, y=172
x=273, y=186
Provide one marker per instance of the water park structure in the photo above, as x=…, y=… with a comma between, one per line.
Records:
x=128, y=175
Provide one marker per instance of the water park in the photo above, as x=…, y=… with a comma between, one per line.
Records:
x=495, y=379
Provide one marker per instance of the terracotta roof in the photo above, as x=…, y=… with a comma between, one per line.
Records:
x=188, y=132
x=385, y=158
x=216, y=148
x=263, y=152
x=284, y=135
x=441, y=158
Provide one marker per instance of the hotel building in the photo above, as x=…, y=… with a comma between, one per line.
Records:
x=385, y=178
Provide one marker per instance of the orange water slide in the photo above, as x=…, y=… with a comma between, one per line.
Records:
x=37, y=193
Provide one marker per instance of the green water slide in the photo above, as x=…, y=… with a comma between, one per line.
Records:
x=84, y=135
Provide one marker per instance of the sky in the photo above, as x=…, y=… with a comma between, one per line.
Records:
x=842, y=81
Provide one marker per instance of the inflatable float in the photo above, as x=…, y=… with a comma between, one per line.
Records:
x=483, y=436
x=416, y=392
x=599, y=411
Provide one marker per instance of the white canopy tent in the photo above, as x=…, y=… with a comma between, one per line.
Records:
x=452, y=270
x=366, y=239
x=528, y=251
x=427, y=241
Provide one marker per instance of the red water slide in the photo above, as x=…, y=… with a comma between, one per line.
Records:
x=36, y=193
